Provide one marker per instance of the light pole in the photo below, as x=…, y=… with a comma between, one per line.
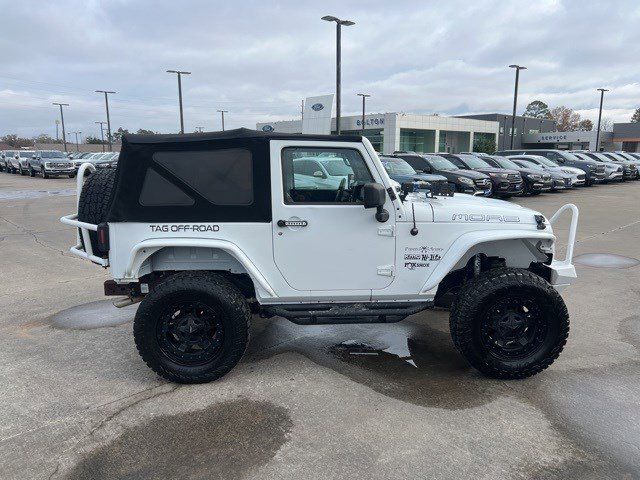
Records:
x=339, y=24
x=64, y=137
x=77, y=143
x=364, y=97
x=515, y=100
x=57, y=133
x=180, y=73
x=222, y=112
x=101, y=134
x=601, y=90
x=106, y=103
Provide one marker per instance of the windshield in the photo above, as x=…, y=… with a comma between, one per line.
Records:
x=474, y=162
x=525, y=164
x=570, y=156
x=440, y=163
x=397, y=166
x=26, y=153
x=545, y=161
x=10, y=153
x=52, y=155
x=506, y=163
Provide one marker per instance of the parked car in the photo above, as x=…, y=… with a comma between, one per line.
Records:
x=11, y=159
x=578, y=176
x=559, y=180
x=534, y=180
x=506, y=183
x=614, y=172
x=51, y=163
x=355, y=255
x=461, y=180
x=4, y=160
x=594, y=171
x=400, y=171
x=631, y=167
x=23, y=160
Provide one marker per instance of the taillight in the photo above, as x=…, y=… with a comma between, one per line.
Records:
x=103, y=238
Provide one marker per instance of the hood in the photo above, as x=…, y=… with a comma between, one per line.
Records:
x=469, y=209
x=531, y=171
x=419, y=177
x=488, y=170
x=472, y=174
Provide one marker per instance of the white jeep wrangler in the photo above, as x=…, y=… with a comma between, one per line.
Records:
x=207, y=229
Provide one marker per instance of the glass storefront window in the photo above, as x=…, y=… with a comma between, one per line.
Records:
x=374, y=135
x=421, y=141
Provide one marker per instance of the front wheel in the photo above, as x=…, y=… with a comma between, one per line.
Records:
x=509, y=323
x=192, y=328
x=44, y=173
x=32, y=172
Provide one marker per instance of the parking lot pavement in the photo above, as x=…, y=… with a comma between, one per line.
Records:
x=381, y=401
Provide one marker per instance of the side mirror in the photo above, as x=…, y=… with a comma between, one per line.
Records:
x=33, y=157
x=374, y=197
x=319, y=174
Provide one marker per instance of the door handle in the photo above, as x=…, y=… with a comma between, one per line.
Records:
x=292, y=223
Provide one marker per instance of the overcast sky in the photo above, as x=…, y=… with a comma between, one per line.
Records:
x=259, y=59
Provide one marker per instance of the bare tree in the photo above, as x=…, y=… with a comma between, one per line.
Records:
x=567, y=120
x=606, y=125
x=585, y=125
x=636, y=116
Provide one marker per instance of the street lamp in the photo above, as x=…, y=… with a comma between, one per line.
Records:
x=339, y=24
x=222, y=112
x=64, y=137
x=180, y=73
x=106, y=103
x=601, y=90
x=515, y=100
x=364, y=97
x=101, y=133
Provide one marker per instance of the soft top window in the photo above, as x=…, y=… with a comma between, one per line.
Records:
x=223, y=177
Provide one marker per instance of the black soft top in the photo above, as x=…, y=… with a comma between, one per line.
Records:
x=198, y=177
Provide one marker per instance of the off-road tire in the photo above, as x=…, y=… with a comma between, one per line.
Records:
x=209, y=288
x=95, y=199
x=32, y=172
x=475, y=298
x=22, y=172
x=44, y=173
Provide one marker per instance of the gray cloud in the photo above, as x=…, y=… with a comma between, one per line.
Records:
x=260, y=59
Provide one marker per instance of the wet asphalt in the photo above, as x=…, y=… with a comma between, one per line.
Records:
x=364, y=401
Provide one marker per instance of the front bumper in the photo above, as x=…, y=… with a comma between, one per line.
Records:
x=614, y=176
x=508, y=188
x=541, y=185
x=60, y=171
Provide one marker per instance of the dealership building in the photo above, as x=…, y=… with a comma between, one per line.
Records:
x=389, y=132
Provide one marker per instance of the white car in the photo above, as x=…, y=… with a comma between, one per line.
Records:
x=205, y=229
x=24, y=156
x=578, y=176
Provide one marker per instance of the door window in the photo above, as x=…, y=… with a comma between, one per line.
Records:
x=323, y=175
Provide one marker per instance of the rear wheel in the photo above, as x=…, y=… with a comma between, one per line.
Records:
x=509, y=323
x=44, y=173
x=32, y=172
x=192, y=328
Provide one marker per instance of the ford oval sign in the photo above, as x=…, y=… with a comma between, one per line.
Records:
x=317, y=107
x=267, y=128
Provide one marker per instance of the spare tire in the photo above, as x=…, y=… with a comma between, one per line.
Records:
x=95, y=199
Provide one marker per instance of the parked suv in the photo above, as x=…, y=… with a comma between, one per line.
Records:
x=204, y=229
x=506, y=183
x=11, y=160
x=594, y=172
x=400, y=171
x=51, y=163
x=23, y=160
x=578, y=176
x=535, y=181
x=463, y=181
x=630, y=167
x=612, y=171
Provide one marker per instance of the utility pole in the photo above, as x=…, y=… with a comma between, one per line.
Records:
x=57, y=135
x=222, y=112
x=515, y=100
x=302, y=110
x=101, y=134
x=339, y=24
x=106, y=102
x=77, y=142
x=180, y=73
x=601, y=90
x=364, y=97
x=64, y=137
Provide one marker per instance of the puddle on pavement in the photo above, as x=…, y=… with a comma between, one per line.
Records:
x=406, y=361
x=92, y=315
x=225, y=440
x=30, y=194
x=606, y=260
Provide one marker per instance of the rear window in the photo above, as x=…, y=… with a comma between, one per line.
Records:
x=223, y=177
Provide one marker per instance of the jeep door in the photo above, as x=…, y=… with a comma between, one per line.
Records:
x=323, y=237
